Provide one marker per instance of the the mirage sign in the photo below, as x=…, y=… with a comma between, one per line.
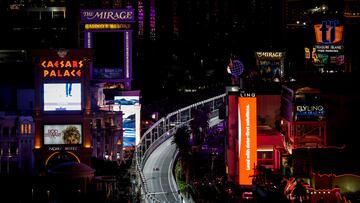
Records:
x=107, y=15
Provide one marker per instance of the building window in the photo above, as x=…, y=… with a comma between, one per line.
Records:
x=6, y=131
x=29, y=128
x=13, y=149
x=58, y=15
x=25, y=128
x=13, y=131
x=98, y=123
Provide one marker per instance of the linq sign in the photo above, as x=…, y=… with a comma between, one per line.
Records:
x=62, y=68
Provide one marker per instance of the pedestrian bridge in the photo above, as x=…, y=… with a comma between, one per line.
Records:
x=155, y=155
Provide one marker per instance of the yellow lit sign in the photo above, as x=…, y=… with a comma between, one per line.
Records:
x=107, y=26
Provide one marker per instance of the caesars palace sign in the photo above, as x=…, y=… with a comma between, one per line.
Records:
x=62, y=68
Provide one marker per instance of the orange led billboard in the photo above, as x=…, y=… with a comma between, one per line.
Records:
x=247, y=138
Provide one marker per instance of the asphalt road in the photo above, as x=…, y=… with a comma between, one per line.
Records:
x=158, y=173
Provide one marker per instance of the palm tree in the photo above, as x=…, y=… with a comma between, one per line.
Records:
x=199, y=124
x=181, y=139
x=299, y=191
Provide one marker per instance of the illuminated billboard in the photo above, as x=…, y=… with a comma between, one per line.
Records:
x=328, y=55
x=62, y=96
x=130, y=107
x=247, y=138
x=63, y=134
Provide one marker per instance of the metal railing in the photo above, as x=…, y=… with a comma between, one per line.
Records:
x=165, y=128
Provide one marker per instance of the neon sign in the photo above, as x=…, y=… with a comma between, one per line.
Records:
x=310, y=110
x=62, y=68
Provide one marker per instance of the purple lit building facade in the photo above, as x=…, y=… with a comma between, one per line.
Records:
x=109, y=32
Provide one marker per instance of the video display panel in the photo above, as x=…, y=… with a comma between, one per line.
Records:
x=108, y=61
x=63, y=134
x=62, y=96
x=130, y=107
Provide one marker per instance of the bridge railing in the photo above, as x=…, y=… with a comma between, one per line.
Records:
x=165, y=128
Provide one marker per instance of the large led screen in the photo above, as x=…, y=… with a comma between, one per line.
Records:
x=130, y=107
x=62, y=96
x=62, y=134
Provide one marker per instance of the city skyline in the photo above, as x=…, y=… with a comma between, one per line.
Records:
x=91, y=83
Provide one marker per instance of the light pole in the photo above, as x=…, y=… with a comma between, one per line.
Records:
x=133, y=189
x=214, y=154
x=32, y=194
x=48, y=195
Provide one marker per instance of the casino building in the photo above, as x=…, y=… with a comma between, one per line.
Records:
x=63, y=114
x=84, y=103
x=83, y=75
